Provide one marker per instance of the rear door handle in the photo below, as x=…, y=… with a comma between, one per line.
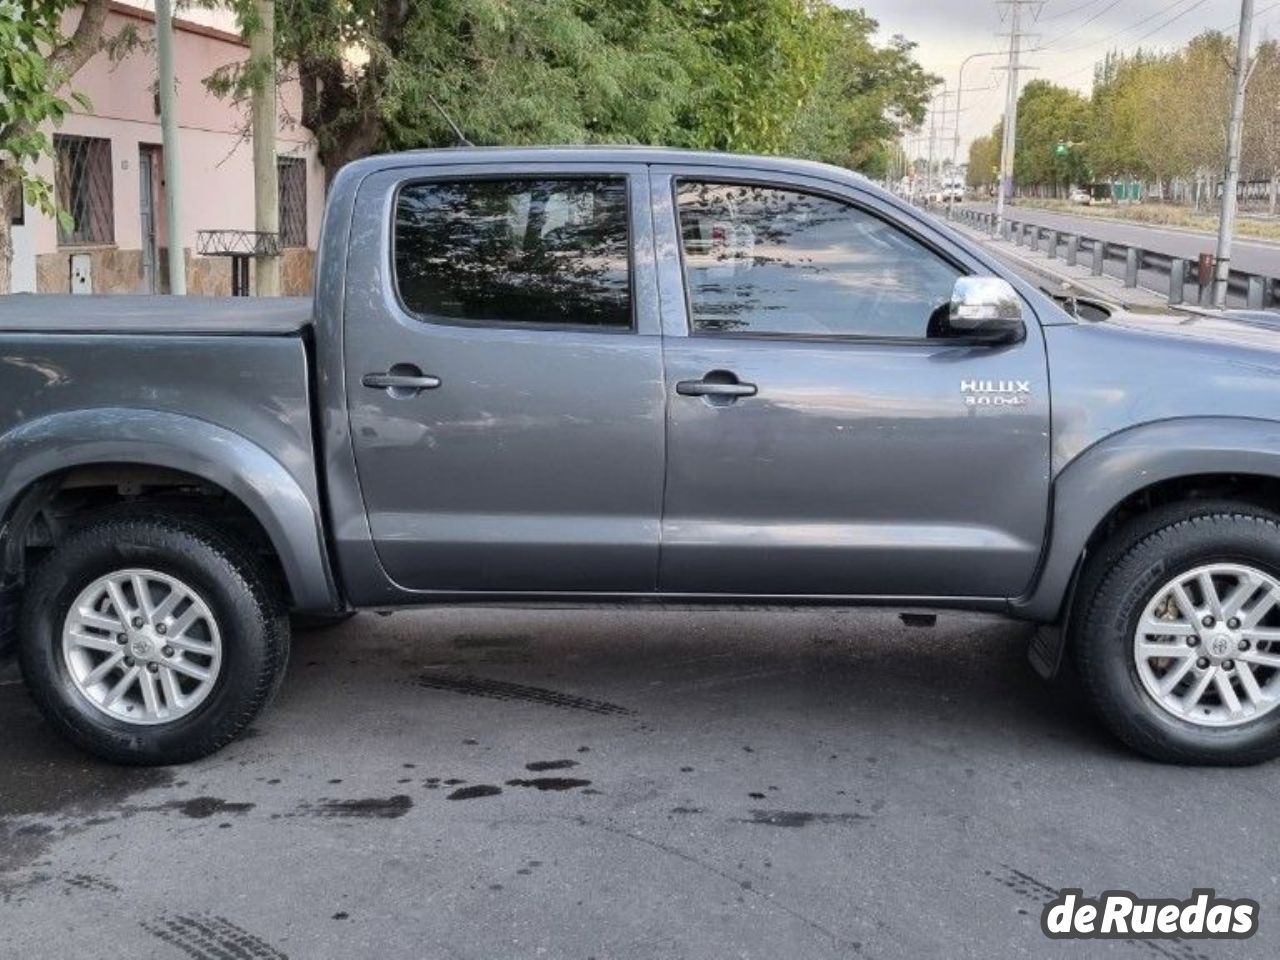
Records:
x=719, y=384
x=404, y=379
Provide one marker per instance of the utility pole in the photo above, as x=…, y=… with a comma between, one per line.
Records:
x=266, y=177
x=1010, y=109
x=169, y=138
x=1227, y=222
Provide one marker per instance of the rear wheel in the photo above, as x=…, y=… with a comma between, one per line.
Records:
x=1179, y=645
x=152, y=640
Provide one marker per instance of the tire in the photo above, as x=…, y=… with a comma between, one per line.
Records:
x=238, y=615
x=1128, y=580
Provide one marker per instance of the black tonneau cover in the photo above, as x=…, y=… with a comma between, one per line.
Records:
x=189, y=316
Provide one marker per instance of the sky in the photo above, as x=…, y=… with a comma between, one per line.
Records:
x=1074, y=34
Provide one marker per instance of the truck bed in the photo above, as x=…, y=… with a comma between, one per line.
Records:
x=154, y=315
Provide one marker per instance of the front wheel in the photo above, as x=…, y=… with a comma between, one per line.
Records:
x=1179, y=646
x=151, y=640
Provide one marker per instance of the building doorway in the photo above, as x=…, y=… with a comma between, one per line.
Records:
x=148, y=204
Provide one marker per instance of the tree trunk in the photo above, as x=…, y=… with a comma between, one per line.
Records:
x=1273, y=194
x=357, y=141
x=8, y=187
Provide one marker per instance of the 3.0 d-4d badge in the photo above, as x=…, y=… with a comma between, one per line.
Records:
x=995, y=393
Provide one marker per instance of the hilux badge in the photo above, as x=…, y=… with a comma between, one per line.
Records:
x=995, y=393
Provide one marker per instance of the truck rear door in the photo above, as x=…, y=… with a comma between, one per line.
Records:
x=504, y=369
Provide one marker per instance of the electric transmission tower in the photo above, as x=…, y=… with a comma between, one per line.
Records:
x=1021, y=14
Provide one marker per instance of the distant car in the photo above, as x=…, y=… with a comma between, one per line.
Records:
x=1081, y=196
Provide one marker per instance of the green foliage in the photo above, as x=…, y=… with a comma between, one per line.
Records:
x=30, y=83
x=865, y=97
x=1154, y=116
x=1161, y=116
x=984, y=158
x=767, y=76
x=1050, y=116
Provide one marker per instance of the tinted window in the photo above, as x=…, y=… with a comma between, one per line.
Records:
x=515, y=251
x=763, y=260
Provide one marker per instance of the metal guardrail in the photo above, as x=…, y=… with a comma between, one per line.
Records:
x=1258, y=291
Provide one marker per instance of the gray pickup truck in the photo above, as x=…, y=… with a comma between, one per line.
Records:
x=603, y=375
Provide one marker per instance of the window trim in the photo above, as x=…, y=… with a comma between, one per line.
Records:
x=521, y=177
x=836, y=197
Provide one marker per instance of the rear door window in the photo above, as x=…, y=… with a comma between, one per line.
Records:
x=515, y=252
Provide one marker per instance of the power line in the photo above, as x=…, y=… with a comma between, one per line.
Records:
x=1145, y=36
x=1080, y=26
x=1133, y=26
x=1073, y=10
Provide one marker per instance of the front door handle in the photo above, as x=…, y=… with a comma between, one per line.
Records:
x=717, y=385
x=402, y=380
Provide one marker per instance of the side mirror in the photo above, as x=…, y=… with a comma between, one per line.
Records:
x=986, y=308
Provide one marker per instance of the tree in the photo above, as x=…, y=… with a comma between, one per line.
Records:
x=391, y=74
x=36, y=61
x=1262, y=121
x=866, y=96
x=984, y=158
x=763, y=76
x=1053, y=123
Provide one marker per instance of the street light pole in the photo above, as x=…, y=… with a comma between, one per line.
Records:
x=955, y=144
x=1227, y=222
x=264, y=120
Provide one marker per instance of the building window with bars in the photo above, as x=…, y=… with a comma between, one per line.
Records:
x=83, y=189
x=293, y=201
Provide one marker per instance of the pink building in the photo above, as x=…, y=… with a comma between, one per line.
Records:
x=108, y=173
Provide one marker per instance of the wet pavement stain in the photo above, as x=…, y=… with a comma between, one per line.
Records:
x=502, y=690
x=801, y=818
x=538, y=766
x=206, y=937
x=475, y=792
x=368, y=808
x=550, y=783
x=201, y=808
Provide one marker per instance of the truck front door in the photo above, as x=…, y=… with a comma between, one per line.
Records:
x=826, y=434
x=504, y=375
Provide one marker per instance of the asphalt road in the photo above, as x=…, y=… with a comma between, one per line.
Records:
x=627, y=784
x=1251, y=256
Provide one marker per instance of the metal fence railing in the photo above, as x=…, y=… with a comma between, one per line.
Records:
x=1182, y=276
